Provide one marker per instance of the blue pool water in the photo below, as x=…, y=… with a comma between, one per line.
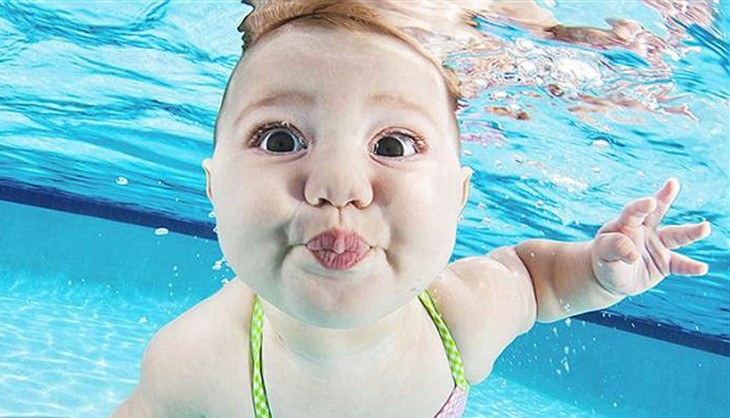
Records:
x=106, y=234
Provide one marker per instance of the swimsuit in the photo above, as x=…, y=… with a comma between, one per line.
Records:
x=453, y=408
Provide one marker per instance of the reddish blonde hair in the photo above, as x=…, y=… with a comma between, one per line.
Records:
x=347, y=15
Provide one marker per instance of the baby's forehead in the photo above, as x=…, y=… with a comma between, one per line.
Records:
x=388, y=73
x=404, y=81
x=324, y=45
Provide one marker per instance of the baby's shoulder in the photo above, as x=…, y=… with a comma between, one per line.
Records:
x=206, y=348
x=485, y=306
x=214, y=320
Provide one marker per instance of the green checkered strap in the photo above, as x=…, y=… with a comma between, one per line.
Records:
x=258, y=391
x=452, y=352
x=260, y=401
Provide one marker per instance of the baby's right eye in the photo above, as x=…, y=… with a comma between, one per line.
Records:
x=276, y=137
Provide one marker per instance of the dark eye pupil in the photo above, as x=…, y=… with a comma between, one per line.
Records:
x=390, y=146
x=280, y=141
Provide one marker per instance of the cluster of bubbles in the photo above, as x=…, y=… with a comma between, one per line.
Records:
x=623, y=66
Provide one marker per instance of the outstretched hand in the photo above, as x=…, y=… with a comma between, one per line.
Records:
x=632, y=254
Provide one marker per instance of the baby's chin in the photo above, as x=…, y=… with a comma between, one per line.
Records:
x=337, y=299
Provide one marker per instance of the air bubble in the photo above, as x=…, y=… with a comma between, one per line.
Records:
x=122, y=181
x=527, y=67
x=524, y=44
x=218, y=264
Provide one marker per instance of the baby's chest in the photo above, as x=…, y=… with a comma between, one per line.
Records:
x=417, y=386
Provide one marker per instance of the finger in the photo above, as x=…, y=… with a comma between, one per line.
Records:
x=664, y=197
x=659, y=254
x=614, y=246
x=685, y=266
x=677, y=236
x=636, y=212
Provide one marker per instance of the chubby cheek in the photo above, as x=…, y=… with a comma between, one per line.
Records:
x=251, y=219
x=423, y=228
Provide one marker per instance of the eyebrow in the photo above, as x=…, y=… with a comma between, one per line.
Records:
x=304, y=99
x=397, y=100
x=279, y=97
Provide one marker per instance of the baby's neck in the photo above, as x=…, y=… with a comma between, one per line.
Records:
x=323, y=350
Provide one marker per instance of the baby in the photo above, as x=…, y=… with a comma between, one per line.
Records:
x=337, y=188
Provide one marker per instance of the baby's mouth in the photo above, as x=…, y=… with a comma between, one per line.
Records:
x=338, y=261
x=338, y=249
x=338, y=241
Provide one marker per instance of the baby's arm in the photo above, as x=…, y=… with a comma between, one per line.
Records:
x=628, y=256
x=563, y=279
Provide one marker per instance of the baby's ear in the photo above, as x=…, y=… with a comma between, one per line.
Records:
x=207, y=165
x=466, y=173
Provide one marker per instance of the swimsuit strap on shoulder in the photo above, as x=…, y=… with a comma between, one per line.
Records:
x=457, y=366
x=258, y=391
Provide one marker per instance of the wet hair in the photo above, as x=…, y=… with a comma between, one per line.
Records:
x=269, y=16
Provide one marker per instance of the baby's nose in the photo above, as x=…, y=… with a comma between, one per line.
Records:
x=338, y=181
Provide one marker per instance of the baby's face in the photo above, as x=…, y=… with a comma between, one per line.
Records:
x=347, y=159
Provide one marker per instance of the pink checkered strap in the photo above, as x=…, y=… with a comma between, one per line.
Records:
x=455, y=405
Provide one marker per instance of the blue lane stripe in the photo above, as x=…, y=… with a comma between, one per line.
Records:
x=658, y=330
x=50, y=198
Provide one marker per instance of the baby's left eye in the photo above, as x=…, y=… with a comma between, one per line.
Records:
x=392, y=144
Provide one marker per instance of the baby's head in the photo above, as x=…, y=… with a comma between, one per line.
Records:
x=333, y=119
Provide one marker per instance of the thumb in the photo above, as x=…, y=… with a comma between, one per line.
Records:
x=614, y=246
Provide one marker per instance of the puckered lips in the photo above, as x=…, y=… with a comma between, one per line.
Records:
x=336, y=249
